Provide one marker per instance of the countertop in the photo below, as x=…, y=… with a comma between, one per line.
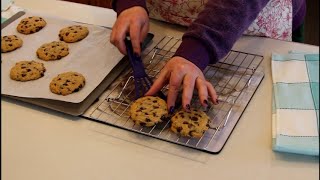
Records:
x=39, y=143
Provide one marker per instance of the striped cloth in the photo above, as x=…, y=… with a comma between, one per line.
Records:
x=295, y=113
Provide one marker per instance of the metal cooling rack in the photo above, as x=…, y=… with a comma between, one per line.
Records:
x=235, y=78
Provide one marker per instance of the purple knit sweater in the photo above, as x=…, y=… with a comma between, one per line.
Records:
x=211, y=36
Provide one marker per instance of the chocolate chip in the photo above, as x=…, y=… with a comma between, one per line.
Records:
x=142, y=124
x=193, y=118
x=179, y=129
x=142, y=108
x=148, y=120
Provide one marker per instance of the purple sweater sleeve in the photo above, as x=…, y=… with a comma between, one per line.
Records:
x=211, y=36
x=120, y=5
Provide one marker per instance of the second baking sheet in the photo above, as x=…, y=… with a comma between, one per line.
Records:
x=94, y=57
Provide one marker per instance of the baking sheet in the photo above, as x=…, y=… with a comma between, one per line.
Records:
x=94, y=57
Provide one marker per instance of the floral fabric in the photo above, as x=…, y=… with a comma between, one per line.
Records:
x=274, y=21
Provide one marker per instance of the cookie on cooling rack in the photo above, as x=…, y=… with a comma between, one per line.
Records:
x=67, y=83
x=53, y=51
x=74, y=33
x=30, y=25
x=27, y=70
x=148, y=110
x=192, y=124
x=10, y=43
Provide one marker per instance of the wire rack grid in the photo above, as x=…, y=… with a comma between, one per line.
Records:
x=235, y=79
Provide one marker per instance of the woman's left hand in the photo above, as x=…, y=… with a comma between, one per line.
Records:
x=179, y=72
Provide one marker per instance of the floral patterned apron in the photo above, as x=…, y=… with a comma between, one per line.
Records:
x=274, y=21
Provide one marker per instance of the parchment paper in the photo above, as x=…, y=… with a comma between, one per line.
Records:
x=94, y=57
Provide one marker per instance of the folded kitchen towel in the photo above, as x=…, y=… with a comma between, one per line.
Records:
x=295, y=113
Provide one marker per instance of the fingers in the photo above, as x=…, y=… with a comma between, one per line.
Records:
x=135, y=38
x=144, y=32
x=160, y=82
x=174, y=87
x=117, y=38
x=212, y=93
x=202, y=91
x=181, y=73
x=188, y=86
x=134, y=21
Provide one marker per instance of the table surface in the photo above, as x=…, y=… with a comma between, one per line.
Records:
x=38, y=143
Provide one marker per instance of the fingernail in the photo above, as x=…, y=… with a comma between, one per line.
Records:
x=188, y=107
x=205, y=102
x=136, y=54
x=217, y=102
x=171, y=110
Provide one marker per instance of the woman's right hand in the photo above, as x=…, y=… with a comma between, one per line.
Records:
x=133, y=21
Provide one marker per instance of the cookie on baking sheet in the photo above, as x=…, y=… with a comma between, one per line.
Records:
x=10, y=43
x=192, y=124
x=54, y=50
x=67, y=83
x=27, y=70
x=31, y=25
x=73, y=33
x=148, y=110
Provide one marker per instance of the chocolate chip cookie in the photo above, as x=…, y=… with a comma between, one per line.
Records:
x=192, y=124
x=67, y=83
x=73, y=33
x=31, y=25
x=10, y=43
x=27, y=70
x=53, y=51
x=148, y=110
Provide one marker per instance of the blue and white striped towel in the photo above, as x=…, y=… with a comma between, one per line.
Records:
x=295, y=113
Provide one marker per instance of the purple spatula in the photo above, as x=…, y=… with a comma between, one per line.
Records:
x=142, y=81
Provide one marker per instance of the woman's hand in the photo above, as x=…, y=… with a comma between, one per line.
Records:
x=179, y=72
x=133, y=21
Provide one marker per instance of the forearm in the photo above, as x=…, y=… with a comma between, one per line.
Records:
x=217, y=28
